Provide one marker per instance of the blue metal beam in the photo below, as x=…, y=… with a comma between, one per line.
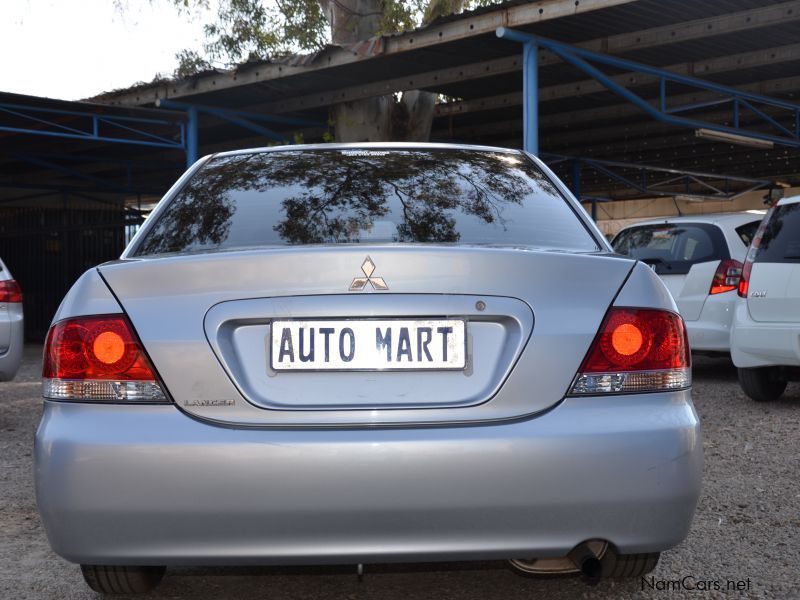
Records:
x=192, y=136
x=586, y=60
x=530, y=86
x=652, y=181
x=226, y=113
x=90, y=126
x=243, y=119
x=255, y=128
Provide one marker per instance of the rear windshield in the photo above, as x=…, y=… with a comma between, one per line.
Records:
x=367, y=196
x=780, y=241
x=672, y=249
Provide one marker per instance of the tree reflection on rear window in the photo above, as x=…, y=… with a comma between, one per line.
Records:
x=335, y=196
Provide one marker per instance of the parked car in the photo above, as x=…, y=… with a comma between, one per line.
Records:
x=11, y=325
x=700, y=259
x=367, y=353
x=765, y=338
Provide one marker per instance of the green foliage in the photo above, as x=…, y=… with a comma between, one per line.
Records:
x=401, y=15
x=251, y=29
x=260, y=29
x=190, y=63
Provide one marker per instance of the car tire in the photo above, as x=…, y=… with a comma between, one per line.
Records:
x=761, y=384
x=109, y=579
x=628, y=565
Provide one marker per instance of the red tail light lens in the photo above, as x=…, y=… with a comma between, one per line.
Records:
x=744, y=281
x=661, y=338
x=727, y=277
x=97, y=358
x=10, y=291
x=636, y=350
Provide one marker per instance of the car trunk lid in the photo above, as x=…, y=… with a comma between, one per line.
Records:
x=206, y=322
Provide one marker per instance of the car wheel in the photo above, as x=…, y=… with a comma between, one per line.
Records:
x=107, y=579
x=628, y=565
x=761, y=384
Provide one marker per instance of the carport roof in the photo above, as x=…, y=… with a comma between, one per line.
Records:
x=58, y=145
x=751, y=44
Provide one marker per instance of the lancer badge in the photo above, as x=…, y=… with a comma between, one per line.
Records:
x=359, y=283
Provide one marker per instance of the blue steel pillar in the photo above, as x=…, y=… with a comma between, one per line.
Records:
x=191, y=136
x=530, y=97
x=577, y=166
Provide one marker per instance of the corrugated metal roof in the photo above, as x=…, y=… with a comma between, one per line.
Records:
x=567, y=124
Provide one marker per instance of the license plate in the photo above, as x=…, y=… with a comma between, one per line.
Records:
x=368, y=345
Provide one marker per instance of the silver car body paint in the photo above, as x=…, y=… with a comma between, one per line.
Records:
x=305, y=473
x=222, y=298
x=11, y=333
x=150, y=485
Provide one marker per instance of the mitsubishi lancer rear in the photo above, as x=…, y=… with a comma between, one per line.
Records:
x=350, y=354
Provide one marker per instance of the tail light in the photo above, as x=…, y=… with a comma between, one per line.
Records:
x=10, y=291
x=744, y=280
x=636, y=350
x=98, y=358
x=727, y=277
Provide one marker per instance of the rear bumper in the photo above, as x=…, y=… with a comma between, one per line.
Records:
x=711, y=332
x=149, y=485
x=11, y=357
x=763, y=343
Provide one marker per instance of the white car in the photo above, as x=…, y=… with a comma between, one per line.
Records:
x=700, y=259
x=765, y=337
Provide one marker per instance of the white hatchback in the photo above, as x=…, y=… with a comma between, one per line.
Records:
x=765, y=337
x=700, y=259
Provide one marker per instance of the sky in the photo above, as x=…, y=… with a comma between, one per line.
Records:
x=75, y=49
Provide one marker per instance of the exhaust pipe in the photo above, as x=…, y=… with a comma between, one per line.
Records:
x=587, y=562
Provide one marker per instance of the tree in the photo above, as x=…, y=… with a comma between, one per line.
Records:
x=260, y=29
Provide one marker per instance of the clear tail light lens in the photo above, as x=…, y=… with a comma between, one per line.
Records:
x=744, y=281
x=10, y=291
x=98, y=358
x=727, y=277
x=636, y=350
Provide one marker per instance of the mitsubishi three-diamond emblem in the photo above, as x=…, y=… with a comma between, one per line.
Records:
x=360, y=283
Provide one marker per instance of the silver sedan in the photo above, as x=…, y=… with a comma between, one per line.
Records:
x=11, y=325
x=375, y=353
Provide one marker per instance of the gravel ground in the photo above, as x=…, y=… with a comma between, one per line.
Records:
x=747, y=527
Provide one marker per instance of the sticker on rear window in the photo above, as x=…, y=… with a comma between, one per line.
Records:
x=364, y=152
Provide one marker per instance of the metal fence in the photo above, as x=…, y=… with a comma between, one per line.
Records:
x=48, y=248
